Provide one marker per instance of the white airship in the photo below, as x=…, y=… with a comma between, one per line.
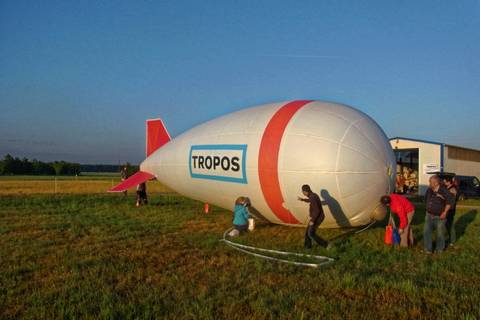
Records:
x=268, y=152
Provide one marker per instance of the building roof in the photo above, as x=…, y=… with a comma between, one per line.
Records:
x=433, y=142
x=416, y=140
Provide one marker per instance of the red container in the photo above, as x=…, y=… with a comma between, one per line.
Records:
x=388, y=235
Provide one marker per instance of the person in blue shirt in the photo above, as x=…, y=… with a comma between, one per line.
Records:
x=241, y=214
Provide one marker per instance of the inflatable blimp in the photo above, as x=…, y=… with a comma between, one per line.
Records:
x=268, y=152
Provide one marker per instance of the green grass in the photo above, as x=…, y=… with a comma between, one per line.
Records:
x=98, y=256
x=470, y=202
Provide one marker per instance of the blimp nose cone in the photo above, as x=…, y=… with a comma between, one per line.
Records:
x=344, y=156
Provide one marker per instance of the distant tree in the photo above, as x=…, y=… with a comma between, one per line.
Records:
x=58, y=166
x=42, y=168
x=26, y=167
x=99, y=168
x=72, y=168
x=65, y=168
x=11, y=165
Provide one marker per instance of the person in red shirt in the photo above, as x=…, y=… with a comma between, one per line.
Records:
x=404, y=209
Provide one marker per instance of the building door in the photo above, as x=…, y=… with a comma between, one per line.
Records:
x=407, y=170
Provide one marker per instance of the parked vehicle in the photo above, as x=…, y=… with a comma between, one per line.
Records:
x=468, y=186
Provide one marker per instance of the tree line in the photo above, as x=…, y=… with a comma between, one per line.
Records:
x=15, y=166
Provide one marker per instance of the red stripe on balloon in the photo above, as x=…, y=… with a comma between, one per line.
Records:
x=268, y=160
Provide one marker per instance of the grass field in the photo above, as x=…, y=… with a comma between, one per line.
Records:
x=84, y=184
x=97, y=256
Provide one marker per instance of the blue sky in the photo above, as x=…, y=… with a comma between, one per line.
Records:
x=79, y=78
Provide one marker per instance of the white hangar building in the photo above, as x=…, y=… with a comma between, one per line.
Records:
x=418, y=159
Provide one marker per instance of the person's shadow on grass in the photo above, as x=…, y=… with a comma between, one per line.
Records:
x=419, y=217
x=335, y=208
x=463, y=221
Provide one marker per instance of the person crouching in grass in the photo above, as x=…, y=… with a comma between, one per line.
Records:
x=404, y=209
x=241, y=214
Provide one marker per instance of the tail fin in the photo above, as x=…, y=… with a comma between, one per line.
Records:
x=132, y=181
x=157, y=135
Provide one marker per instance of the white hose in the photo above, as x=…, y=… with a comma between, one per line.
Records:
x=245, y=249
x=367, y=227
x=240, y=247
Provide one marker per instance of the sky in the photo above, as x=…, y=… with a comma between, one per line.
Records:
x=79, y=78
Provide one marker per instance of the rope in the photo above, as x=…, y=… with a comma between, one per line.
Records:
x=245, y=249
x=367, y=227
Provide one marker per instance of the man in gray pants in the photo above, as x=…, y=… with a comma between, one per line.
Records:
x=438, y=200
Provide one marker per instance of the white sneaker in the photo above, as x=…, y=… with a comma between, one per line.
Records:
x=234, y=233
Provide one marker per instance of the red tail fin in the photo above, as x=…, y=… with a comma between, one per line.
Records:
x=157, y=135
x=132, y=181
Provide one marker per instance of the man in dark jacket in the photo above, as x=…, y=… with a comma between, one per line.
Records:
x=438, y=201
x=450, y=185
x=316, y=217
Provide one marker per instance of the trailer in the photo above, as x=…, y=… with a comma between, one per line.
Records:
x=417, y=160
